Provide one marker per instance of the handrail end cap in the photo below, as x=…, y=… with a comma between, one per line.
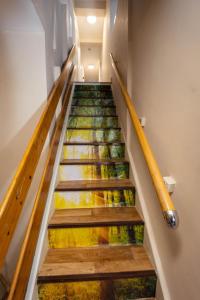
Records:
x=171, y=217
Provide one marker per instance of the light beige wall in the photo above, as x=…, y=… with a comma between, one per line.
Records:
x=23, y=92
x=164, y=81
x=105, y=65
x=115, y=39
x=27, y=59
x=119, y=38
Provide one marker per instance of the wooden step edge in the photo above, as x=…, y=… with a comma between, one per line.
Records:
x=94, y=185
x=95, y=263
x=92, y=162
x=92, y=97
x=107, y=223
x=93, y=143
x=101, y=106
x=94, y=90
x=92, y=83
x=93, y=128
x=94, y=217
x=93, y=116
x=98, y=276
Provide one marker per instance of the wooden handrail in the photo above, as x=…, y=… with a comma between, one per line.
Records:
x=165, y=200
x=14, y=199
x=25, y=260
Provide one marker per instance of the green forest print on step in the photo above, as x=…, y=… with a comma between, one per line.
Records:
x=92, y=172
x=92, y=94
x=92, y=102
x=92, y=87
x=92, y=122
x=89, y=199
x=94, y=236
x=93, y=111
x=89, y=135
x=118, y=289
x=115, y=151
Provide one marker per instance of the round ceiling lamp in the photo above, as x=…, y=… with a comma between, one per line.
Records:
x=91, y=19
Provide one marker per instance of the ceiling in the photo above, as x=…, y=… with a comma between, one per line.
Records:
x=101, y=4
x=90, y=33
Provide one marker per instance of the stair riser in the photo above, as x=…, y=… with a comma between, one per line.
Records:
x=94, y=236
x=92, y=102
x=93, y=111
x=118, y=289
x=92, y=94
x=92, y=172
x=92, y=122
x=90, y=199
x=84, y=136
x=93, y=152
x=93, y=88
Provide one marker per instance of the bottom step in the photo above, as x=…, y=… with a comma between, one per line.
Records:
x=99, y=273
x=140, y=288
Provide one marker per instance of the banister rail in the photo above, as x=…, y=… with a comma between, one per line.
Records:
x=167, y=206
x=13, y=202
x=27, y=252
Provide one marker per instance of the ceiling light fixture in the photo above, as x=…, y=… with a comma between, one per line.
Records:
x=91, y=19
x=90, y=67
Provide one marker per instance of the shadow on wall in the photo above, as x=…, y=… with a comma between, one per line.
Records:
x=12, y=153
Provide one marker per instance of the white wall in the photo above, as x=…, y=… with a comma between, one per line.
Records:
x=59, y=32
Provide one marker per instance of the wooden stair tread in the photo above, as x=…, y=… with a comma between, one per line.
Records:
x=92, y=143
x=92, y=105
x=93, y=116
x=106, y=216
x=93, y=128
x=92, y=97
x=95, y=263
x=81, y=185
x=92, y=161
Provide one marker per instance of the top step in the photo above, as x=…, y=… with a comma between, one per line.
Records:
x=93, y=94
x=92, y=87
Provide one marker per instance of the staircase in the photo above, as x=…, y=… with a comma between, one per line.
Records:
x=95, y=233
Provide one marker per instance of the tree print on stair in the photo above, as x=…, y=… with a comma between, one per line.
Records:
x=92, y=122
x=114, y=151
x=93, y=111
x=119, y=289
x=94, y=236
x=92, y=102
x=92, y=94
x=89, y=135
x=92, y=172
x=90, y=199
x=93, y=87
